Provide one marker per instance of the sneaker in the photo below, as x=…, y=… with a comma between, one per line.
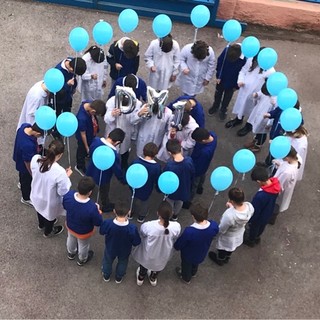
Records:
x=71, y=256
x=200, y=190
x=81, y=171
x=179, y=274
x=130, y=216
x=108, y=208
x=152, y=281
x=105, y=278
x=256, y=148
x=232, y=123
x=55, y=231
x=249, y=243
x=250, y=144
x=118, y=280
x=222, y=116
x=213, y=256
x=83, y=262
x=245, y=130
x=141, y=219
x=41, y=228
x=139, y=282
x=19, y=185
x=27, y=202
x=212, y=111
x=174, y=218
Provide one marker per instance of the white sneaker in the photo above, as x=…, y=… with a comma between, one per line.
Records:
x=81, y=172
x=27, y=202
x=139, y=282
x=19, y=185
x=152, y=282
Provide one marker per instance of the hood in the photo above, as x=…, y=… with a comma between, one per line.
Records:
x=244, y=217
x=274, y=187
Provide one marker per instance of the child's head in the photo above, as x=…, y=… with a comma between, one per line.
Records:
x=198, y=212
x=190, y=103
x=120, y=210
x=38, y=132
x=234, y=52
x=200, y=134
x=86, y=186
x=130, y=49
x=292, y=156
x=131, y=81
x=200, y=50
x=297, y=105
x=173, y=146
x=165, y=213
x=259, y=174
x=96, y=53
x=264, y=89
x=117, y=136
x=166, y=43
x=55, y=149
x=236, y=195
x=78, y=66
x=150, y=150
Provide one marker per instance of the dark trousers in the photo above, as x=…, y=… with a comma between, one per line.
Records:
x=121, y=267
x=197, y=183
x=143, y=272
x=81, y=156
x=25, y=179
x=255, y=230
x=224, y=255
x=140, y=207
x=46, y=224
x=104, y=194
x=188, y=270
x=260, y=138
x=124, y=161
x=222, y=94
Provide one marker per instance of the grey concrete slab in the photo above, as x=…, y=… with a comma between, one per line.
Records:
x=278, y=279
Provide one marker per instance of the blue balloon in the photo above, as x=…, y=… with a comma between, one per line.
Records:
x=280, y=147
x=276, y=82
x=137, y=176
x=221, y=178
x=231, y=30
x=161, y=25
x=54, y=80
x=287, y=98
x=244, y=160
x=290, y=119
x=67, y=124
x=267, y=58
x=45, y=118
x=78, y=39
x=250, y=46
x=103, y=157
x=200, y=16
x=168, y=182
x=128, y=20
x=102, y=32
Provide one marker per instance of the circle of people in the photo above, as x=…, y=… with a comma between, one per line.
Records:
x=172, y=133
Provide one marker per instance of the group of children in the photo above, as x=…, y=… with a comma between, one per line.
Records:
x=173, y=133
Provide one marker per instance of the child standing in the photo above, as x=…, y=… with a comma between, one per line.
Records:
x=162, y=60
x=120, y=236
x=82, y=216
x=194, y=243
x=88, y=127
x=232, y=226
x=155, y=250
x=142, y=195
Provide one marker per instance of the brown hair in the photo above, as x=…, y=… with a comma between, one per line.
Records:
x=150, y=150
x=56, y=147
x=99, y=106
x=165, y=212
x=293, y=154
x=199, y=212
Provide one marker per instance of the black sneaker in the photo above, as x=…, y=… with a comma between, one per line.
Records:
x=222, y=116
x=141, y=219
x=108, y=208
x=81, y=171
x=83, y=262
x=55, y=231
x=105, y=278
x=71, y=256
x=200, y=190
x=245, y=130
x=174, y=218
x=232, y=123
x=212, y=111
x=118, y=280
x=213, y=256
x=179, y=274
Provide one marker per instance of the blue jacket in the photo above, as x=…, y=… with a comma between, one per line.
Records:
x=154, y=171
x=25, y=147
x=194, y=243
x=119, y=239
x=185, y=172
x=202, y=155
x=81, y=217
x=140, y=90
x=227, y=71
x=94, y=172
x=196, y=113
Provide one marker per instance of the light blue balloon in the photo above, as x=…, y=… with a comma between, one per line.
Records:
x=78, y=39
x=102, y=33
x=67, y=124
x=250, y=46
x=54, y=80
x=287, y=98
x=280, y=147
x=231, y=30
x=128, y=20
x=137, y=176
x=200, y=16
x=290, y=119
x=168, y=182
x=161, y=25
x=244, y=160
x=45, y=118
x=221, y=178
x=276, y=82
x=267, y=58
x=103, y=157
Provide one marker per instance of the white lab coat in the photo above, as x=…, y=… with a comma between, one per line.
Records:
x=253, y=82
x=153, y=130
x=126, y=122
x=48, y=189
x=192, y=83
x=263, y=104
x=36, y=97
x=92, y=89
x=301, y=145
x=167, y=64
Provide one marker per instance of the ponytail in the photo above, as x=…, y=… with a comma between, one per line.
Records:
x=165, y=212
x=56, y=147
x=255, y=62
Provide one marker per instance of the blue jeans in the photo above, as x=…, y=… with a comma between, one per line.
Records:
x=121, y=267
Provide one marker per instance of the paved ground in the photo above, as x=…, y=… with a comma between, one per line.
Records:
x=278, y=279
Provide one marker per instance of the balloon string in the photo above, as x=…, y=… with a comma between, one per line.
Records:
x=68, y=151
x=236, y=181
x=132, y=197
x=55, y=101
x=224, y=59
x=44, y=141
x=99, y=186
x=75, y=65
x=165, y=197
x=214, y=197
x=243, y=176
x=195, y=35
